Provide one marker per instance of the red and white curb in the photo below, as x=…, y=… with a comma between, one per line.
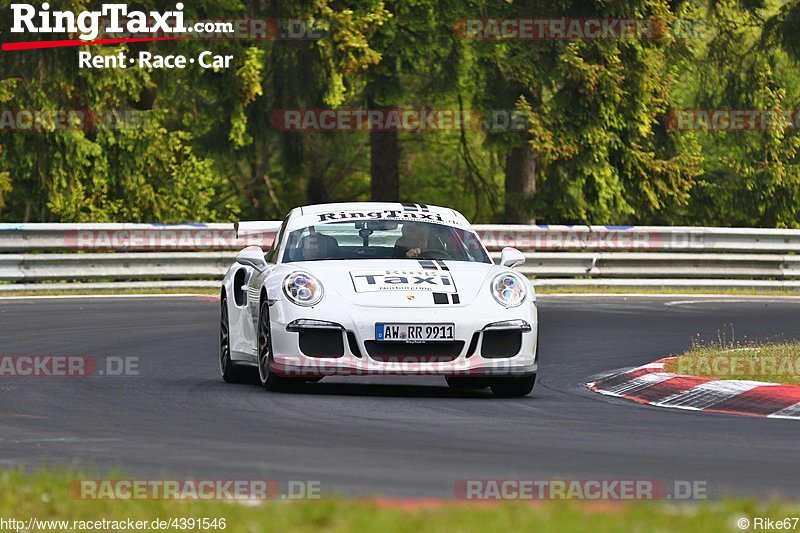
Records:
x=650, y=384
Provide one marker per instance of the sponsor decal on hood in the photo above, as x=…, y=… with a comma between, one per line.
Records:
x=403, y=280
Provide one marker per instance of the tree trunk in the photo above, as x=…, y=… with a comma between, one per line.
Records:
x=317, y=190
x=318, y=170
x=520, y=184
x=384, y=166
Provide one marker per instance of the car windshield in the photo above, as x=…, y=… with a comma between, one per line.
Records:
x=383, y=239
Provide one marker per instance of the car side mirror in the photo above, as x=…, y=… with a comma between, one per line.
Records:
x=511, y=257
x=252, y=256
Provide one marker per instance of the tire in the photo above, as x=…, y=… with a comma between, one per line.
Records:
x=461, y=383
x=229, y=370
x=269, y=380
x=513, y=387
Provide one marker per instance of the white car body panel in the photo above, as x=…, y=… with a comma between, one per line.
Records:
x=356, y=296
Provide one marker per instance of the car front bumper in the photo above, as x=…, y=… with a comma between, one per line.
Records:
x=361, y=354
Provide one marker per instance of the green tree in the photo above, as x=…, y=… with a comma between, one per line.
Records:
x=751, y=177
x=596, y=149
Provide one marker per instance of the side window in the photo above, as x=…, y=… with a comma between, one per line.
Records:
x=292, y=243
x=472, y=245
x=272, y=254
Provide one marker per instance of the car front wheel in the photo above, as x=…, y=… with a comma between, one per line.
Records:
x=269, y=380
x=227, y=368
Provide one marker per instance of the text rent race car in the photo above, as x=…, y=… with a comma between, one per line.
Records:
x=378, y=288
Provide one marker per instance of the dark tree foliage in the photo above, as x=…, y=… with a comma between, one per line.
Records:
x=592, y=141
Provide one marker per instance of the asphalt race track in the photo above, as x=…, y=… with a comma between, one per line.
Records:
x=366, y=436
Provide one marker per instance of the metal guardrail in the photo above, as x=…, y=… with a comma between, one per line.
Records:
x=641, y=238
x=191, y=237
x=195, y=255
x=127, y=237
x=662, y=265
x=146, y=265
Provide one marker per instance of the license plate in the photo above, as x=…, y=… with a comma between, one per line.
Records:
x=414, y=332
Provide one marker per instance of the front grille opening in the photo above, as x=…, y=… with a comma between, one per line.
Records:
x=422, y=352
x=501, y=343
x=321, y=342
x=353, y=343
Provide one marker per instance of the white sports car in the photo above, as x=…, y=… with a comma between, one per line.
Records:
x=378, y=288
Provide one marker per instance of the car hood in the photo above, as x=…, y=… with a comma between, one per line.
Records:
x=401, y=282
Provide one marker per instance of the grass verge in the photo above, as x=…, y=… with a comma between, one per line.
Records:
x=601, y=289
x=110, y=292
x=777, y=362
x=43, y=495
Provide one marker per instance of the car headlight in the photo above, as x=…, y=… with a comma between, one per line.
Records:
x=509, y=290
x=302, y=289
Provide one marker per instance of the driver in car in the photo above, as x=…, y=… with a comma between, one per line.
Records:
x=413, y=240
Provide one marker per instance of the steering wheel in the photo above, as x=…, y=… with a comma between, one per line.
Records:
x=432, y=253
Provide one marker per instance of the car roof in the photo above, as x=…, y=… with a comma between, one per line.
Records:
x=344, y=211
x=372, y=206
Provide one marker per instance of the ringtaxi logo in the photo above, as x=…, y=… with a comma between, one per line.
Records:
x=402, y=280
x=148, y=60
x=87, y=24
x=119, y=23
